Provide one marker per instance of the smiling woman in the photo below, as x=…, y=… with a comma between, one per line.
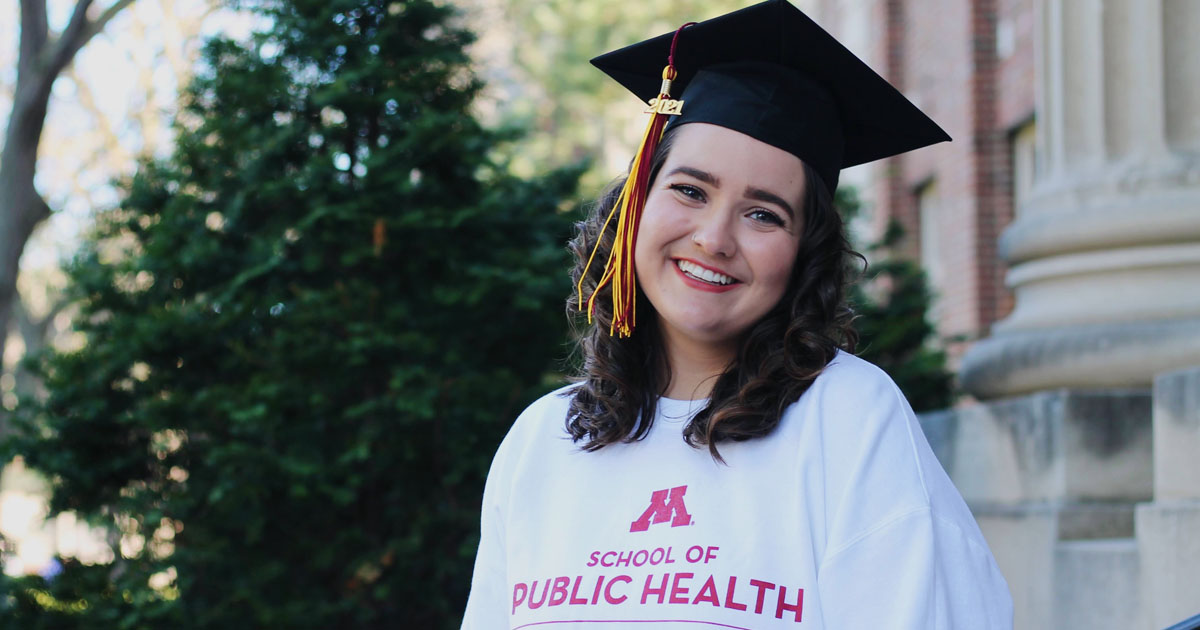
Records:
x=759, y=474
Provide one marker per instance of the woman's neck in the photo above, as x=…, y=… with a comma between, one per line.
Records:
x=695, y=366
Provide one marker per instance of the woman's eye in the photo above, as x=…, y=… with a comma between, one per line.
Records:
x=766, y=216
x=691, y=192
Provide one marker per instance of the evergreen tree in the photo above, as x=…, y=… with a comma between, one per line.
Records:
x=306, y=331
x=891, y=302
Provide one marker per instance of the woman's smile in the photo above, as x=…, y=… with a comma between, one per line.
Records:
x=705, y=278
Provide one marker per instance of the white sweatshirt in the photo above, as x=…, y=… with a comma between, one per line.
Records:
x=841, y=519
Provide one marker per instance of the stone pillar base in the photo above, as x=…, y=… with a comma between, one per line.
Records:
x=1095, y=356
x=1168, y=537
x=1061, y=447
x=1052, y=479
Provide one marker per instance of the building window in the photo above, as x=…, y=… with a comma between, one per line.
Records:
x=932, y=257
x=1024, y=162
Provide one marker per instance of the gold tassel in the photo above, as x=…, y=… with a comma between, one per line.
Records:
x=619, y=268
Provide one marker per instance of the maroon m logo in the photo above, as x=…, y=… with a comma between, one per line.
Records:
x=664, y=504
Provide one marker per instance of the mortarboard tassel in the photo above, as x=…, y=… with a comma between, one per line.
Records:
x=619, y=268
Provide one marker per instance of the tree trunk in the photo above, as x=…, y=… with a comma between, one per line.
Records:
x=41, y=59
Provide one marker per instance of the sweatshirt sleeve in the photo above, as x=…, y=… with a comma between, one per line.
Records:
x=487, y=602
x=903, y=550
x=915, y=572
x=489, y=605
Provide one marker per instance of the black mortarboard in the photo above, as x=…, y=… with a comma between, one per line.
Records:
x=770, y=72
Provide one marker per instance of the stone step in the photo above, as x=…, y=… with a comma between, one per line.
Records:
x=1096, y=584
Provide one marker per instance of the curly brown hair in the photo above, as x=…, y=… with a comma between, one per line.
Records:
x=621, y=379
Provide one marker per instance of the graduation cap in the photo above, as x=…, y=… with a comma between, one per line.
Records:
x=767, y=71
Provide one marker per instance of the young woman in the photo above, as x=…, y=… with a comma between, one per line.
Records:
x=724, y=461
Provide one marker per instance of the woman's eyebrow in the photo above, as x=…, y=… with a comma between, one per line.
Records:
x=769, y=197
x=703, y=176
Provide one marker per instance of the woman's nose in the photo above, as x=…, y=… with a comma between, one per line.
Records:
x=714, y=235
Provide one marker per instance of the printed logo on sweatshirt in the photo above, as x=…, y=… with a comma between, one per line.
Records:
x=644, y=583
x=665, y=505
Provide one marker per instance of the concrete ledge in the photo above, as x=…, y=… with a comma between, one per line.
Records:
x=1082, y=356
x=1062, y=447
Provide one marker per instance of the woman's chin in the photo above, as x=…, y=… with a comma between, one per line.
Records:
x=702, y=332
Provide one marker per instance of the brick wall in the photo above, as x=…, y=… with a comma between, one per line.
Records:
x=936, y=37
x=969, y=64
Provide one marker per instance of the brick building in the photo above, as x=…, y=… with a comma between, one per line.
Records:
x=970, y=66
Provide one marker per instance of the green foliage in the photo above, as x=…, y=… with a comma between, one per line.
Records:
x=578, y=111
x=892, y=302
x=81, y=596
x=307, y=331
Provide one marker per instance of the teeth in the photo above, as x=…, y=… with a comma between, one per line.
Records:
x=700, y=273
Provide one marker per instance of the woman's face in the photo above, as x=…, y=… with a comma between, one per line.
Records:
x=719, y=234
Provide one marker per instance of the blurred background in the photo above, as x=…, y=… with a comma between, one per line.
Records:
x=277, y=275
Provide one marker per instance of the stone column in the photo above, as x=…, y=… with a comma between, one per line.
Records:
x=1105, y=253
